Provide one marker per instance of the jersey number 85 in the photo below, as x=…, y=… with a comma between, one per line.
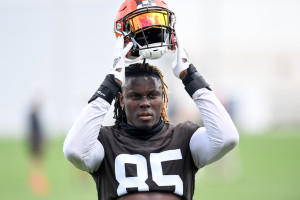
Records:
x=142, y=171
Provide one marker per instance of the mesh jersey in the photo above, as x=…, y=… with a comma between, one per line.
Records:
x=162, y=163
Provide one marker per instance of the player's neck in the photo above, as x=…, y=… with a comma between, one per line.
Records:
x=143, y=134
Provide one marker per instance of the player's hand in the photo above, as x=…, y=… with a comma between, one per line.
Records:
x=182, y=61
x=118, y=69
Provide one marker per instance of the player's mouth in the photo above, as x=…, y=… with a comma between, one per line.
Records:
x=145, y=115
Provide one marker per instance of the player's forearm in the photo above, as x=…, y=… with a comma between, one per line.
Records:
x=81, y=146
x=219, y=134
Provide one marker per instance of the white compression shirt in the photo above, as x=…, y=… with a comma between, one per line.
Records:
x=208, y=143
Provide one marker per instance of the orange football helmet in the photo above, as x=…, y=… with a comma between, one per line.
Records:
x=149, y=24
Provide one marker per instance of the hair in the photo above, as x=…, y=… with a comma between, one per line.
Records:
x=138, y=70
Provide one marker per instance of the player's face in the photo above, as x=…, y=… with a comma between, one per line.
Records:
x=142, y=100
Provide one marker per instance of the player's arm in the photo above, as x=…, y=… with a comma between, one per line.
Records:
x=81, y=146
x=219, y=135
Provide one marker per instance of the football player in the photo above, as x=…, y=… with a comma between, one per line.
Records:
x=143, y=156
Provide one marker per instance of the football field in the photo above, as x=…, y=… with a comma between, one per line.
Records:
x=263, y=167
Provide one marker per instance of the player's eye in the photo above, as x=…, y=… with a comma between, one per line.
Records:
x=134, y=96
x=153, y=95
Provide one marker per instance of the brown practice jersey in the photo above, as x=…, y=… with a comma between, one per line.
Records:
x=162, y=163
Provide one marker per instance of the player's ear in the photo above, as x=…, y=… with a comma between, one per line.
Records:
x=121, y=98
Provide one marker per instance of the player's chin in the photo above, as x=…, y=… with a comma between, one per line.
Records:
x=145, y=125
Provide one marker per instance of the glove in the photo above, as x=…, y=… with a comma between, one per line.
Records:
x=120, y=52
x=182, y=61
x=192, y=80
x=110, y=87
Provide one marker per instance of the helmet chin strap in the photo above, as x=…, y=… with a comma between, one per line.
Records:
x=154, y=52
x=148, y=54
x=151, y=53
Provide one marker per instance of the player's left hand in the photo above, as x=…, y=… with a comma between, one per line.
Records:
x=118, y=69
x=182, y=61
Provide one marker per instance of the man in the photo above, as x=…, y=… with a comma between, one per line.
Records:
x=143, y=156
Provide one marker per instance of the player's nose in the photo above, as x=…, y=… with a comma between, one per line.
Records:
x=144, y=102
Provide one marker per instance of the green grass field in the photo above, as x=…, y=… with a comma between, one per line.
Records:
x=263, y=167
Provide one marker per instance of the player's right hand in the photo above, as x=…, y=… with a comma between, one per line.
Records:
x=182, y=61
x=120, y=52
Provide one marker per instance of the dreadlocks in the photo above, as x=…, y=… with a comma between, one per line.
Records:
x=137, y=70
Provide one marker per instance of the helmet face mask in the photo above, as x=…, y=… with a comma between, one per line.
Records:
x=150, y=28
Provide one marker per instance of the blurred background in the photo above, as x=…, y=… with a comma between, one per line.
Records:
x=55, y=53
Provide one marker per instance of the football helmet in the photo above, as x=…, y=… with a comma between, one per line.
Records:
x=149, y=25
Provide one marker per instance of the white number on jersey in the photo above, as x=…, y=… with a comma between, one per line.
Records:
x=142, y=171
x=129, y=182
x=166, y=180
